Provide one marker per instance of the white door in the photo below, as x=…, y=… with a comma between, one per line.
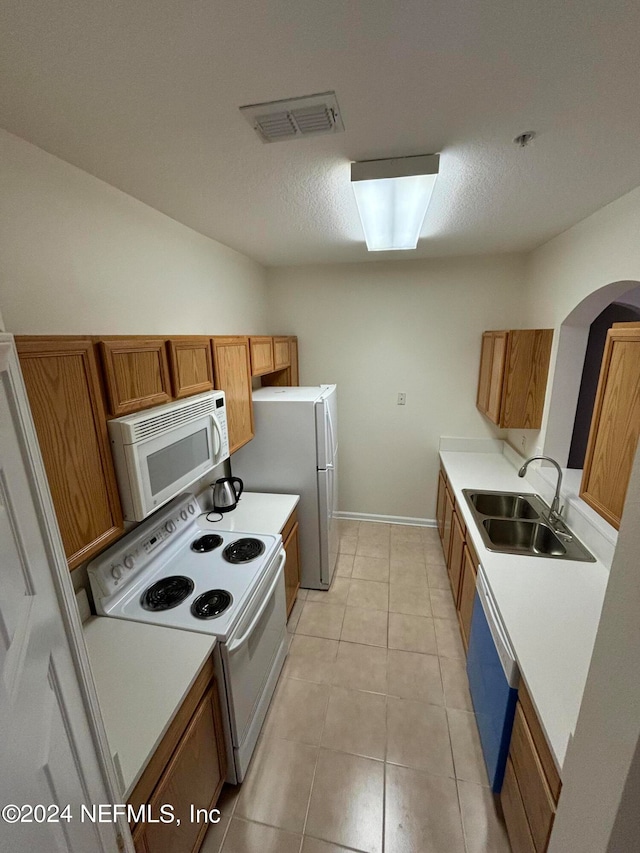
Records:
x=47, y=755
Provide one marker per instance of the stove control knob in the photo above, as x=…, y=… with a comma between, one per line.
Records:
x=183, y=515
x=129, y=561
x=169, y=527
x=192, y=509
x=116, y=572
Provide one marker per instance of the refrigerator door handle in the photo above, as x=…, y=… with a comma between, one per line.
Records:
x=331, y=436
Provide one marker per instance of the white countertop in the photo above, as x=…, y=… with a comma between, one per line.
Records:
x=255, y=513
x=550, y=608
x=143, y=673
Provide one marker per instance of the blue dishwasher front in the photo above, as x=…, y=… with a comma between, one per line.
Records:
x=493, y=681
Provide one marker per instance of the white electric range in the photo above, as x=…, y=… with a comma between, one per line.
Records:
x=169, y=572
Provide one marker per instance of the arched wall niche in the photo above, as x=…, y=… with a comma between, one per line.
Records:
x=571, y=346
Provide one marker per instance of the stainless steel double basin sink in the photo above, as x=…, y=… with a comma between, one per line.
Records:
x=518, y=523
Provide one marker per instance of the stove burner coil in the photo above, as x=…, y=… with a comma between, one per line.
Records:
x=207, y=543
x=211, y=604
x=167, y=593
x=243, y=550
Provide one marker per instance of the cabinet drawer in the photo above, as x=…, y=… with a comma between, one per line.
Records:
x=536, y=795
x=514, y=813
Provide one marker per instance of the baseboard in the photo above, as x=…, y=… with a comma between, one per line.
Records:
x=388, y=519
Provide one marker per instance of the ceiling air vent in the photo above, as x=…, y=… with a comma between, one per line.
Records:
x=295, y=117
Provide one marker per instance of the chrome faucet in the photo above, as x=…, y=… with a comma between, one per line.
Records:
x=555, y=513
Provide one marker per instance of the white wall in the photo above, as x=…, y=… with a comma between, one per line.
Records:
x=382, y=328
x=79, y=256
x=568, y=272
x=565, y=277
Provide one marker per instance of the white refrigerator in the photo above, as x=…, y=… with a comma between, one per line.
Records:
x=295, y=451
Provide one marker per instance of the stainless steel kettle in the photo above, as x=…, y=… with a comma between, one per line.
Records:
x=225, y=494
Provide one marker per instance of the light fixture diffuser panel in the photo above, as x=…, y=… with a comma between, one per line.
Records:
x=392, y=210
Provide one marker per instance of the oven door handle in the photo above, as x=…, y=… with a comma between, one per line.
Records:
x=235, y=644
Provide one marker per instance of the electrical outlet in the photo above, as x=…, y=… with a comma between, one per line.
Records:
x=402, y=399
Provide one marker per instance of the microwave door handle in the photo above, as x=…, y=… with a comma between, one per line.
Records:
x=218, y=440
x=235, y=644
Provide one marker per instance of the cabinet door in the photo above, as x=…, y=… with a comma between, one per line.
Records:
x=496, y=376
x=63, y=385
x=536, y=796
x=484, y=379
x=232, y=371
x=191, y=366
x=136, y=372
x=293, y=359
x=515, y=816
x=194, y=776
x=526, y=367
x=261, y=355
x=447, y=526
x=615, y=425
x=281, y=353
x=467, y=595
x=292, y=566
x=440, y=503
x=456, y=554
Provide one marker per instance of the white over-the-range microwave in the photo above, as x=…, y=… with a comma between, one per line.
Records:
x=161, y=451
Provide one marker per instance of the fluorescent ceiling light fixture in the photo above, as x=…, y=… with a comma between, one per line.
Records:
x=392, y=198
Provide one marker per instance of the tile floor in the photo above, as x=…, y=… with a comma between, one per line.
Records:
x=370, y=744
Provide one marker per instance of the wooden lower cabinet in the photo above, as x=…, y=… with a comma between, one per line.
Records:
x=193, y=776
x=440, y=501
x=291, y=546
x=515, y=815
x=65, y=395
x=532, y=784
x=467, y=593
x=232, y=372
x=447, y=525
x=456, y=555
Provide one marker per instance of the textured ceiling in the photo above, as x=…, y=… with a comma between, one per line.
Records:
x=145, y=95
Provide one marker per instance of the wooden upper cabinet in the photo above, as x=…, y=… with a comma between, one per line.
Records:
x=513, y=377
x=136, y=372
x=191, y=365
x=281, y=353
x=65, y=396
x=615, y=425
x=261, y=355
x=232, y=372
x=293, y=358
